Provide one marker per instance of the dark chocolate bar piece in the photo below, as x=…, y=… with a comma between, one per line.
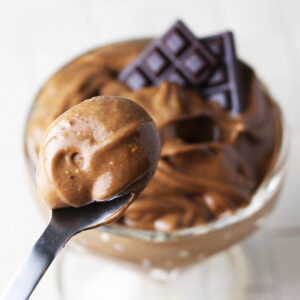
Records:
x=177, y=56
x=209, y=64
x=223, y=85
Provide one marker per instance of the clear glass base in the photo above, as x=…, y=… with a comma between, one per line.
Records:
x=90, y=277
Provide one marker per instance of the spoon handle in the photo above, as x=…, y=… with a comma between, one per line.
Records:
x=35, y=265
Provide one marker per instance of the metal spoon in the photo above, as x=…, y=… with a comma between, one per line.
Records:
x=64, y=223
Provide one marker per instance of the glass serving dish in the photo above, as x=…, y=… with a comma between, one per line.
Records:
x=152, y=250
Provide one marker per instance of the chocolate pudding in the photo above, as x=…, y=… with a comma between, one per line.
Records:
x=102, y=147
x=211, y=161
x=214, y=160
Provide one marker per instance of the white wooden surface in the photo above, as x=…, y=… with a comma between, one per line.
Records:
x=37, y=37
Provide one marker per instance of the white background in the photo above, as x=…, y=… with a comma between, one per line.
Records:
x=37, y=37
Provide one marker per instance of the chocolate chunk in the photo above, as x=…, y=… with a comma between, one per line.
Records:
x=223, y=85
x=208, y=64
x=177, y=56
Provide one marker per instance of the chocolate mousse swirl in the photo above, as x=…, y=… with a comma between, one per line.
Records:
x=211, y=162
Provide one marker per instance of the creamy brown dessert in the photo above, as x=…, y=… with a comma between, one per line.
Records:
x=211, y=161
x=221, y=135
x=102, y=147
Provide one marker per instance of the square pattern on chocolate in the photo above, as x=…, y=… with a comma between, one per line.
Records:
x=176, y=42
x=209, y=64
x=177, y=49
x=223, y=85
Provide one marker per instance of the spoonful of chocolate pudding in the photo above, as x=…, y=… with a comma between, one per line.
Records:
x=94, y=160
